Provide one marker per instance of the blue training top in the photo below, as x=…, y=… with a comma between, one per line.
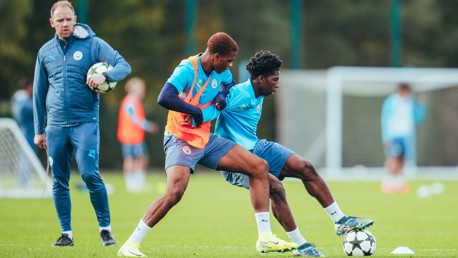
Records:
x=239, y=120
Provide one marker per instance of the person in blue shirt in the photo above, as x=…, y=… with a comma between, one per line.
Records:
x=401, y=113
x=66, y=113
x=189, y=95
x=22, y=109
x=239, y=121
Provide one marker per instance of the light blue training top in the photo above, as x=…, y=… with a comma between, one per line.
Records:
x=239, y=120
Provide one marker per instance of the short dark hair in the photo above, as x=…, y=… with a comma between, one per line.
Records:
x=404, y=86
x=263, y=63
x=222, y=44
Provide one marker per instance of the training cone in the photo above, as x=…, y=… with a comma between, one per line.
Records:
x=402, y=250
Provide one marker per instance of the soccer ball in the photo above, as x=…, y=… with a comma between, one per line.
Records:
x=359, y=243
x=100, y=68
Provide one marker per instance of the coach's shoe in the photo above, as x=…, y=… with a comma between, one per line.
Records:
x=268, y=242
x=351, y=223
x=64, y=240
x=131, y=250
x=307, y=249
x=107, y=238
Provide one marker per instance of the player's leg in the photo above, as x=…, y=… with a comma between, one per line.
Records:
x=85, y=139
x=393, y=180
x=298, y=167
x=280, y=207
x=140, y=167
x=59, y=157
x=128, y=172
x=128, y=165
x=180, y=160
x=177, y=182
x=239, y=159
x=276, y=156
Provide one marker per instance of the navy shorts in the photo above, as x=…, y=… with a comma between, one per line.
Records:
x=274, y=153
x=396, y=147
x=178, y=152
x=134, y=150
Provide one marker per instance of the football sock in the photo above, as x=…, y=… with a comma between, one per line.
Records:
x=69, y=233
x=130, y=181
x=263, y=222
x=139, y=233
x=107, y=228
x=296, y=237
x=334, y=212
x=140, y=179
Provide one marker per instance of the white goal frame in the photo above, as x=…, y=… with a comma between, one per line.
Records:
x=311, y=102
x=337, y=77
x=34, y=192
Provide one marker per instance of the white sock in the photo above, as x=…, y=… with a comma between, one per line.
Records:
x=129, y=179
x=69, y=233
x=334, y=212
x=140, y=178
x=296, y=237
x=139, y=233
x=107, y=228
x=263, y=222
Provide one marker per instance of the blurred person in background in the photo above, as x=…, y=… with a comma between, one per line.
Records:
x=66, y=113
x=22, y=109
x=401, y=113
x=132, y=126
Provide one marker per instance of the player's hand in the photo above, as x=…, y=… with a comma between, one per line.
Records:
x=40, y=141
x=153, y=128
x=220, y=101
x=187, y=120
x=198, y=119
x=95, y=80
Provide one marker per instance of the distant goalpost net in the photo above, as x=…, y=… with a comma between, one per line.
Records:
x=332, y=117
x=21, y=172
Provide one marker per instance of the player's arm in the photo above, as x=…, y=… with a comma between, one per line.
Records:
x=40, y=92
x=105, y=53
x=169, y=99
x=144, y=124
x=386, y=110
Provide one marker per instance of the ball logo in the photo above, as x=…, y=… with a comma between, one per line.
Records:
x=187, y=150
x=214, y=83
x=77, y=55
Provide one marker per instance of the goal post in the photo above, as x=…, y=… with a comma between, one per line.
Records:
x=332, y=117
x=21, y=172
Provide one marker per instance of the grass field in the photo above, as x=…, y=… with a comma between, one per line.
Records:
x=215, y=219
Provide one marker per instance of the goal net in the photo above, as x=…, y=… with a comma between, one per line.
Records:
x=332, y=117
x=21, y=172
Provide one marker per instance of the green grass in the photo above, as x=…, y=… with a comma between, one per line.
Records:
x=215, y=219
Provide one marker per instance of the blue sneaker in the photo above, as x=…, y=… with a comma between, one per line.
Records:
x=307, y=249
x=351, y=223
